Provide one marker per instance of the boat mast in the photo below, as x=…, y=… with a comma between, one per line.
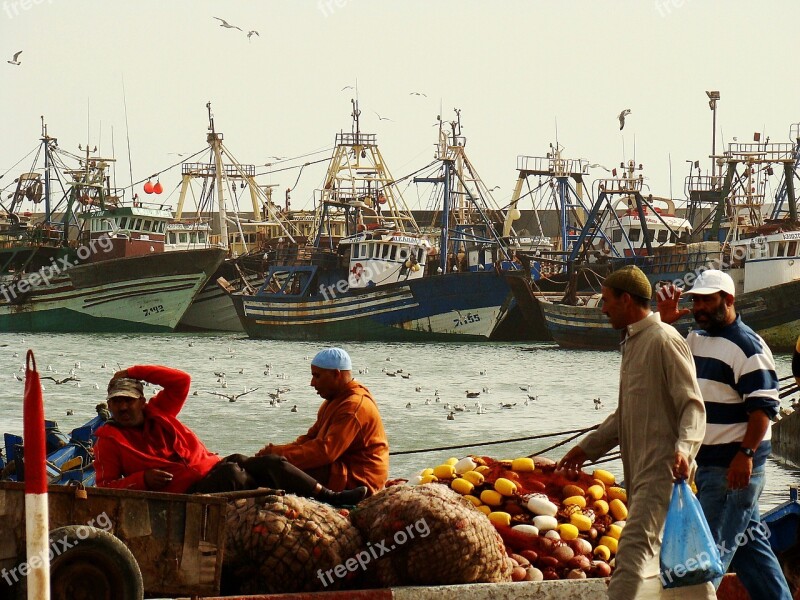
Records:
x=215, y=141
x=46, y=143
x=358, y=177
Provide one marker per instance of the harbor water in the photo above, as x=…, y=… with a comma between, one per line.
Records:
x=559, y=391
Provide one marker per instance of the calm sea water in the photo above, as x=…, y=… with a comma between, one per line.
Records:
x=563, y=382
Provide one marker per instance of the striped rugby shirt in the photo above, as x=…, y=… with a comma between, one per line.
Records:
x=736, y=374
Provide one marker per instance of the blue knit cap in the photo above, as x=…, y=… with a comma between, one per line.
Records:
x=333, y=358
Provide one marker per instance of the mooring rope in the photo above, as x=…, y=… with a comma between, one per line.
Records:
x=576, y=432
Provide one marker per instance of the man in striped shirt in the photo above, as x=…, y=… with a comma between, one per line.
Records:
x=736, y=374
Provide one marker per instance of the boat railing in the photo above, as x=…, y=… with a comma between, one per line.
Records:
x=305, y=255
x=704, y=183
x=210, y=170
x=756, y=152
x=621, y=186
x=553, y=166
x=674, y=261
x=356, y=139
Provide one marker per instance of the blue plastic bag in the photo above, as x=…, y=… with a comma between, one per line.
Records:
x=689, y=555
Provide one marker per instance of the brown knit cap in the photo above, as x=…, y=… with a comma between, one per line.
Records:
x=630, y=279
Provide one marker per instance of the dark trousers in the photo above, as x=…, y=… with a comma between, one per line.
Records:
x=239, y=472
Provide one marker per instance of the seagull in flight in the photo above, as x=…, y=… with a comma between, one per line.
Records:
x=15, y=60
x=417, y=94
x=380, y=118
x=347, y=87
x=251, y=32
x=598, y=165
x=622, y=116
x=60, y=381
x=232, y=397
x=224, y=23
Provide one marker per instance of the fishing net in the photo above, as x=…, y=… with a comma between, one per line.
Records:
x=429, y=535
x=278, y=544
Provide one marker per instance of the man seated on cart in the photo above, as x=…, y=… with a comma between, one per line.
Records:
x=146, y=447
x=347, y=446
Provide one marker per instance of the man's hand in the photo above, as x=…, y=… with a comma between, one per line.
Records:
x=123, y=374
x=573, y=460
x=156, y=479
x=680, y=468
x=667, y=299
x=739, y=471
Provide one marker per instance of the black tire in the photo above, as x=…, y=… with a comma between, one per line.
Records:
x=94, y=566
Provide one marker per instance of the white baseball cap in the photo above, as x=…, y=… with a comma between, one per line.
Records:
x=711, y=282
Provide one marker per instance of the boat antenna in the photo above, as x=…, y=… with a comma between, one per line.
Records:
x=669, y=159
x=555, y=119
x=356, y=114
x=113, y=155
x=127, y=133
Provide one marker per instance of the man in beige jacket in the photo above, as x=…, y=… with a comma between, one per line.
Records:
x=659, y=425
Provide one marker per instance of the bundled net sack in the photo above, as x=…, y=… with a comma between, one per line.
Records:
x=278, y=544
x=429, y=535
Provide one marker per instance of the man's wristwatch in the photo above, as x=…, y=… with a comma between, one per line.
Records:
x=748, y=452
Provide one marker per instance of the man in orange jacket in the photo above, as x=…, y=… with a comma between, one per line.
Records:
x=347, y=446
x=146, y=447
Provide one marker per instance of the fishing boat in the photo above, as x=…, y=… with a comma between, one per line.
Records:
x=595, y=237
x=243, y=240
x=102, y=267
x=384, y=280
x=761, y=255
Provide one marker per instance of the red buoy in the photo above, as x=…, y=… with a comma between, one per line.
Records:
x=157, y=187
x=148, y=187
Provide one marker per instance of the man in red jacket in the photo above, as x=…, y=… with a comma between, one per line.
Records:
x=347, y=446
x=146, y=447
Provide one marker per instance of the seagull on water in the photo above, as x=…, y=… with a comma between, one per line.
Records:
x=622, y=116
x=225, y=24
x=15, y=60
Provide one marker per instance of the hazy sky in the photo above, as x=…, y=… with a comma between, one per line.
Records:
x=515, y=68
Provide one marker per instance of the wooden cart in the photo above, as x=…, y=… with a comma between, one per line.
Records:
x=101, y=539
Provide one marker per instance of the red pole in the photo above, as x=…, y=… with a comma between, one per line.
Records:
x=36, y=514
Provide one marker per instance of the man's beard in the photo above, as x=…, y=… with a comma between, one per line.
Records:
x=716, y=319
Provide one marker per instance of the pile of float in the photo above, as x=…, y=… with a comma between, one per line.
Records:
x=555, y=524
x=474, y=520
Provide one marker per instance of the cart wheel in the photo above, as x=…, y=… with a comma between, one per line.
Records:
x=94, y=566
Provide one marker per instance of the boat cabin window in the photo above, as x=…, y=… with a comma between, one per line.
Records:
x=393, y=253
x=171, y=237
x=184, y=237
x=781, y=249
x=137, y=224
x=420, y=255
x=663, y=235
x=633, y=234
x=792, y=251
x=616, y=235
x=385, y=251
x=146, y=225
x=403, y=254
x=123, y=223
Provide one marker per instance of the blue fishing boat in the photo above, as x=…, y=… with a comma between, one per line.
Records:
x=69, y=457
x=761, y=255
x=385, y=279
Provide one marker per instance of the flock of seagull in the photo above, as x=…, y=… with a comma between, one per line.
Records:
x=277, y=397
